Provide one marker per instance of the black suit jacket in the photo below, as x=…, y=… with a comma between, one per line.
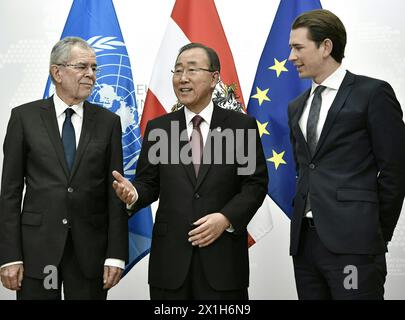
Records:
x=33, y=153
x=356, y=178
x=183, y=199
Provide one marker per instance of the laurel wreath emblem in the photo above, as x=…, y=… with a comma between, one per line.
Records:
x=100, y=43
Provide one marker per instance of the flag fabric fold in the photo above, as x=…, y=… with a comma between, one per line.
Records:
x=190, y=21
x=96, y=22
x=195, y=21
x=276, y=83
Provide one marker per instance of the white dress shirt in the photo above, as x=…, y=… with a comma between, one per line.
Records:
x=206, y=114
x=332, y=84
x=77, y=116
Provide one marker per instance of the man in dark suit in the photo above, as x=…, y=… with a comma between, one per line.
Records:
x=348, y=139
x=71, y=229
x=199, y=244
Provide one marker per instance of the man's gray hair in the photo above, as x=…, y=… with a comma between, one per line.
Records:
x=60, y=53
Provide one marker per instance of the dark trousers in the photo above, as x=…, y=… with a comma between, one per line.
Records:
x=321, y=274
x=75, y=285
x=196, y=286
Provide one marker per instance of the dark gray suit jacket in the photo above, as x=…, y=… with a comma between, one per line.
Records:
x=356, y=178
x=33, y=154
x=184, y=199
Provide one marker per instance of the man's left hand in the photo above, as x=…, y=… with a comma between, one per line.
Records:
x=208, y=229
x=111, y=277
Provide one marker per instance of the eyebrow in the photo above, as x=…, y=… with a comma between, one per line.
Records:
x=295, y=45
x=85, y=63
x=188, y=63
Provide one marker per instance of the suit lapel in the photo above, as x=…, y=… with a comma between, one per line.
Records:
x=48, y=116
x=300, y=104
x=87, y=129
x=336, y=106
x=217, y=121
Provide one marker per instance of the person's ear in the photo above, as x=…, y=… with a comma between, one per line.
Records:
x=55, y=72
x=215, y=78
x=328, y=47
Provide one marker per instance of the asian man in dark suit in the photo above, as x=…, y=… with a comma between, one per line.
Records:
x=348, y=138
x=63, y=150
x=199, y=244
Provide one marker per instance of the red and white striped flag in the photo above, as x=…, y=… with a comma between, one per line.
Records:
x=195, y=21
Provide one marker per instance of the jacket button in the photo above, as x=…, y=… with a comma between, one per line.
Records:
x=196, y=196
x=312, y=166
x=70, y=189
x=64, y=221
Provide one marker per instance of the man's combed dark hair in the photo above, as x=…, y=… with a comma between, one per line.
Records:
x=323, y=24
x=213, y=58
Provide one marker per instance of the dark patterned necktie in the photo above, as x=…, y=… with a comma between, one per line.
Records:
x=69, y=138
x=313, y=118
x=312, y=123
x=196, y=141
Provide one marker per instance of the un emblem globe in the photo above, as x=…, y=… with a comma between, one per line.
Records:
x=114, y=90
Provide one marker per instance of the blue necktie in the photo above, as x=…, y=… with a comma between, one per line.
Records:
x=69, y=138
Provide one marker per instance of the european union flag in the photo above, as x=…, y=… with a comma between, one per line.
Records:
x=276, y=83
x=97, y=23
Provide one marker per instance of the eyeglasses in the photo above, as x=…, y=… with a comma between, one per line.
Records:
x=81, y=67
x=190, y=72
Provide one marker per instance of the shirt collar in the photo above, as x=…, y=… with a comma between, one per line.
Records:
x=206, y=113
x=333, y=81
x=61, y=106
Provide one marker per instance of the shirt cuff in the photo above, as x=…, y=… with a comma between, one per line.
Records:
x=11, y=263
x=130, y=206
x=230, y=229
x=110, y=262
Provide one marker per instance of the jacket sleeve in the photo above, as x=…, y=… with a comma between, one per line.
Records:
x=242, y=207
x=12, y=185
x=387, y=133
x=147, y=175
x=118, y=219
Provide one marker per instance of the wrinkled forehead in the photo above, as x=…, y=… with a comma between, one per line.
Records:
x=78, y=53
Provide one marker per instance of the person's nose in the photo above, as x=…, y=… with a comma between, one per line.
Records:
x=184, y=76
x=90, y=73
x=292, y=56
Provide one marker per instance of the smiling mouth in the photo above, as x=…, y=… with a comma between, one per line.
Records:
x=185, y=90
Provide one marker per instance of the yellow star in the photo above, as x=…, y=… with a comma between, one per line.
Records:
x=262, y=128
x=277, y=159
x=278, y=66
x=261, y=95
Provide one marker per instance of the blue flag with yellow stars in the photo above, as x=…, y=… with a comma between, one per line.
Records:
x=96, y=22
x=275, y=85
